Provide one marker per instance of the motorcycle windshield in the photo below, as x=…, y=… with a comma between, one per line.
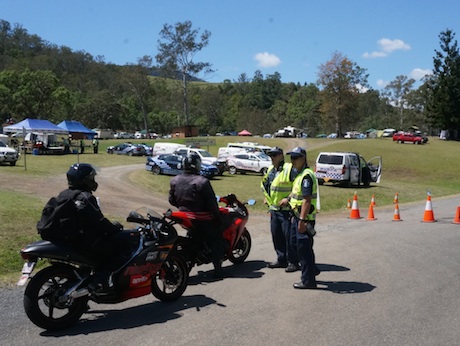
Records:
x=146, y=212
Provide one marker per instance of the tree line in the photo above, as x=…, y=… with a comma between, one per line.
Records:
x=41, y=80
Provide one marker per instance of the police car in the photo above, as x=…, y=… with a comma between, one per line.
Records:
x=171, y=164
x=248, y=162
x=347, y=168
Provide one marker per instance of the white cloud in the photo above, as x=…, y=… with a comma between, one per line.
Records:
x=418, y=73
x=381, y=83
x=387, y=47
x=266, y=59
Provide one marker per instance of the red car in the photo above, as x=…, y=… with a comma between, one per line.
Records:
x=402, y=137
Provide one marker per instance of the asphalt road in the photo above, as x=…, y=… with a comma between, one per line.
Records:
x=382, y=283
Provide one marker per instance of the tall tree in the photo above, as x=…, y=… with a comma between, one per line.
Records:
x=177, y=47
x=342, y=80
x=397, y=92
x=444, y=86
x=136, y=77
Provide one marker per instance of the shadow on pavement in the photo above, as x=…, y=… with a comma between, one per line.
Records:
x=95, y=321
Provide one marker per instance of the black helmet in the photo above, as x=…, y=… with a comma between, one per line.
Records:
x=192, y=163
x=81, y=176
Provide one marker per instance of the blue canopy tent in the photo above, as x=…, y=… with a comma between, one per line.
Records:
x=35, y=125
x=77, y=130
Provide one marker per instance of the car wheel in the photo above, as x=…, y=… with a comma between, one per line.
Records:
x=263, y=171
x=399, y=141
x=156, y=170
x=232, y=170
x=131, y=153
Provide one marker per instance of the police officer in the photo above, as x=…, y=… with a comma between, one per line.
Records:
x=303, y=203
x=192, y=192
x=276, y=186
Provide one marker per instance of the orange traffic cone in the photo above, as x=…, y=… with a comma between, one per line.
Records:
x=370, y=214
x=373, y=201
x=355, y=209
x=428, y=216
x=349, y=204
x=396, y=198
x=457, y=216
x=396, y=216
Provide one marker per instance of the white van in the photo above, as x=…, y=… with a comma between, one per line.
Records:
x=166, y=148
x=250, y=146
x=347, y=168
x=225, y=152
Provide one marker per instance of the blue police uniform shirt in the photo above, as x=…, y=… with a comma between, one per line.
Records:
x=307, y=186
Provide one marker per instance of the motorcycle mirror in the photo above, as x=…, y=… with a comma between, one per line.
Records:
x=136, y=218
x=251, y=202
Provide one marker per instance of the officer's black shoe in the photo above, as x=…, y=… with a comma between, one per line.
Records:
x=306, y=285
x=277, y=265
x=291, y=268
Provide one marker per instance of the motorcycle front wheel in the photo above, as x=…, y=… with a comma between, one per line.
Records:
x=171, y=280
x=42, y=299
x=241, y=250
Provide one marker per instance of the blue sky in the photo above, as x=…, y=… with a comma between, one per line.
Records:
x=388, y=38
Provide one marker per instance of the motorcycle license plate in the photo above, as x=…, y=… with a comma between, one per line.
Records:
x=26, y=271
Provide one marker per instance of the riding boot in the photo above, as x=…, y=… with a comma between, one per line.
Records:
x=218, y=271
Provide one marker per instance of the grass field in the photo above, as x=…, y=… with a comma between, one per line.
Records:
x=409, y=170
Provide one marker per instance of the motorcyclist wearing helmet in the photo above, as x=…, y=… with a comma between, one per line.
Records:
x=192, y=192
x=98, y=238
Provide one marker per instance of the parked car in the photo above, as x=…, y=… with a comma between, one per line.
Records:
x=248, y=162
x=171, y=164
x=127, y=149
x=8, y=155
x=148, y=149
x=347, y=168
x=206, y=158
x=388, y=132
x=123, y=135
x=401, y=137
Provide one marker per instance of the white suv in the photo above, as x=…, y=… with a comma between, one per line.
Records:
x=8, y=154
x=248, y=162
x=347, y=169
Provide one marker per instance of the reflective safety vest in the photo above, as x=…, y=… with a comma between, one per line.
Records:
x=280, y=187
x=296, y=195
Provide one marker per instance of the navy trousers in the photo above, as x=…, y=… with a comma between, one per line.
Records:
x=280, y=224
x=305, y=253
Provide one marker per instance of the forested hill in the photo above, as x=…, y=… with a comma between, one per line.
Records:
x=39, y=79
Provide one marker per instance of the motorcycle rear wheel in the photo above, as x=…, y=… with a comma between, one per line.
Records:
x=41, y=299
x=241, y=250
x=171, y=280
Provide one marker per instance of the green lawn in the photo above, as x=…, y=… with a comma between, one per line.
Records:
x=409, y=170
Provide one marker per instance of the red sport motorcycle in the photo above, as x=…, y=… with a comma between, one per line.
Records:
x=57, y=296
x=237, y=240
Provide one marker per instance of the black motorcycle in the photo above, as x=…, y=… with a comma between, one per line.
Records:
x=57, y=296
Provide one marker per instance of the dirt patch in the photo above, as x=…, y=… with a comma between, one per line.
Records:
x=118, y=195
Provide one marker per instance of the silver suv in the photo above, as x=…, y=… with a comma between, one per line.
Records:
x=8, y=154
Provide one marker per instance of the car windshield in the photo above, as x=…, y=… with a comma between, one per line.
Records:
x=204, y=153
x=263, y=157
x=331, y=159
